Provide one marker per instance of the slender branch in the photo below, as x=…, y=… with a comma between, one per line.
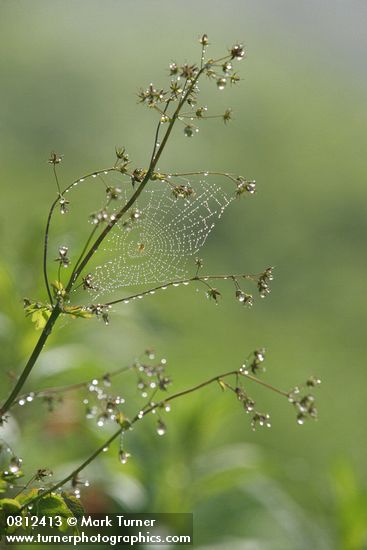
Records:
x=264, y=384
x=122, y=429
x=84, y=249
x=201, y=279
x=157, y=131
x=56, y=178
x=232, y=177
x=73, y=387
x=31, y=361
x=139, y=190
x=141, y=414
x=48, y=222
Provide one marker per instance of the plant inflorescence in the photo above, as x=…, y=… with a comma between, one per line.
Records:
x=152, y=225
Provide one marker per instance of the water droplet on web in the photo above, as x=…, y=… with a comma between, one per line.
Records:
x=172, y=230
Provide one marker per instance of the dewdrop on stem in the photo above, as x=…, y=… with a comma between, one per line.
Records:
x=161, y=428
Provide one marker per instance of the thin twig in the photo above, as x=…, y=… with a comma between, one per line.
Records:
x=201, y=279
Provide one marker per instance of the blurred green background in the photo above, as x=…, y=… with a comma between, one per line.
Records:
x=69, y=74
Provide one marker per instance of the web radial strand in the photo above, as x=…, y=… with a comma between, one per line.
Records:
x=158, y=245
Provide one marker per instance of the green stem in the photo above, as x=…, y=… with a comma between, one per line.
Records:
x=114, y=436
x=31, y=361
x=83, y=262
x=137, y=193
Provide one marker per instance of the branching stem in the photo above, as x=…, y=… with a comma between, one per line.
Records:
x=141, y=414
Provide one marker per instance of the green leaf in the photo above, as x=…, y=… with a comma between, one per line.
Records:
x=54, y=505
x=24, y=498
x=8, y=507
x=77, y=311
x=38, y=312
x=40, y=318
x=74, y=505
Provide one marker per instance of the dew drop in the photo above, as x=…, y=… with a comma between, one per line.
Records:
x=161, y=428
x=123, y=456
x=221, y=83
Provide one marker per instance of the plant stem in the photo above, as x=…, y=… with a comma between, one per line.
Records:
x=114, y=436
x=134, y=197
x=48, y=223
x=31, y=361
x=200, y=279
x=145, y=412
x=83, y=262
x=73, y=387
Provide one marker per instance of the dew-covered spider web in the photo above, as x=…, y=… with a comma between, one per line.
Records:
x=159, y=238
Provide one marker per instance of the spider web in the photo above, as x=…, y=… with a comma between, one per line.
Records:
x=157, y=247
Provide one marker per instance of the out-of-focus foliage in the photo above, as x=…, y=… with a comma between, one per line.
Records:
x=69, y=75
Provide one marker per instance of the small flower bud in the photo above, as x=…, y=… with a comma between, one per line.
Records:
x=238, y=52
